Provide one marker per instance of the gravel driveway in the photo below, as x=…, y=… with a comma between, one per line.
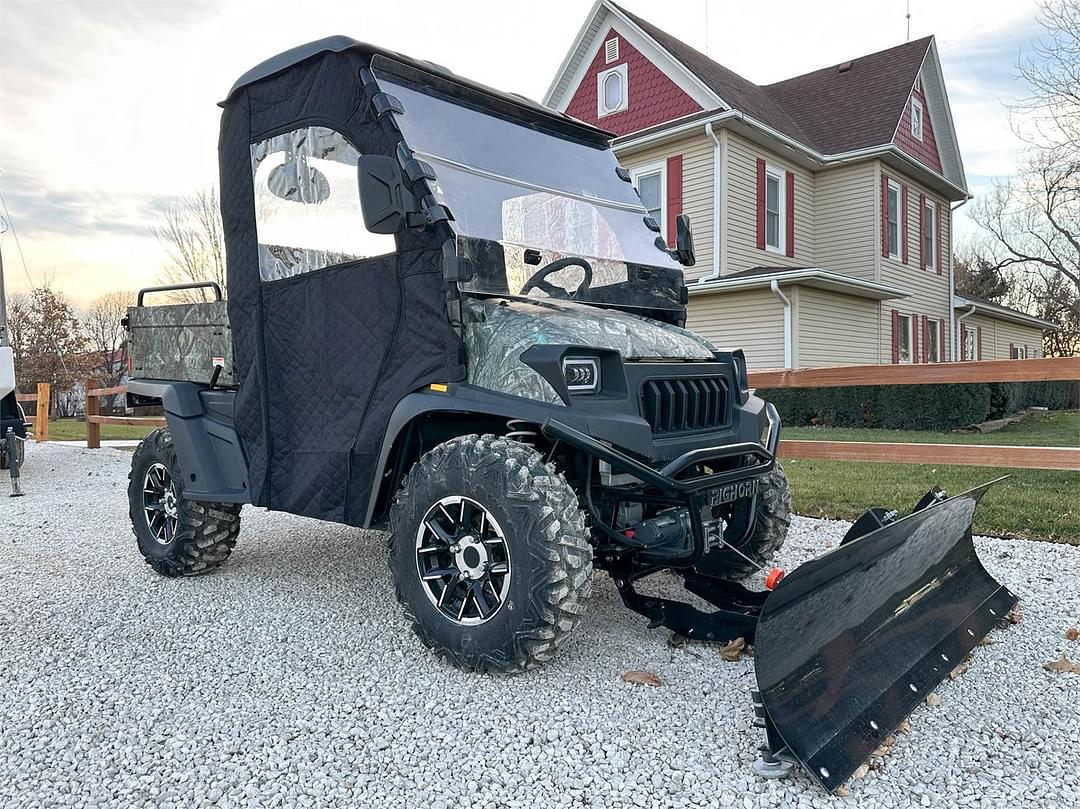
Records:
x=289, y=678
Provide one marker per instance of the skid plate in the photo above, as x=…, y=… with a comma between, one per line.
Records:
x=851, y=642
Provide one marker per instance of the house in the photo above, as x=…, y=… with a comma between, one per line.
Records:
x=822, y=205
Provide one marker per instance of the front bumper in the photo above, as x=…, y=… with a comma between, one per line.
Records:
x=668, y=485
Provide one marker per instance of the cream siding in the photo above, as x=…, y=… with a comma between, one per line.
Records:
x=697, y=201
x=835, y=329
x=929, y=290
x=752, y=320
x=997, y=335
x=846, y=218
x=740, y=197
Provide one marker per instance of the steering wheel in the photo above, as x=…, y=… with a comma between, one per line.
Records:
x=536, y=281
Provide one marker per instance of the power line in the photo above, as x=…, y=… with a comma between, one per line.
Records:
x=18, y=244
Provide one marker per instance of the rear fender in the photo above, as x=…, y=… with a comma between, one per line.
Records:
x=207, y=446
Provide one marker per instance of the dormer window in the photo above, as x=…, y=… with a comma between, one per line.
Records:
x=611, y=91
x=916, y=119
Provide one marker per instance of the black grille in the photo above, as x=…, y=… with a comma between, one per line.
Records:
x=683, y=405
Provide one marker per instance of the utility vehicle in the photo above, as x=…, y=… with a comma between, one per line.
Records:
x=449, y=314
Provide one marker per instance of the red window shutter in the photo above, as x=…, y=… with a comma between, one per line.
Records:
x=1012, y=351
x=978, y=342
x=674, y=194
x=884, y=216
x=922, y=231
x=895, y=336
x=963, y=343
x=915, y=355
x=938, y=244
x=925, y=338
x=761, y=204
x=942, y=356
x=903, y=224
x=789, y=237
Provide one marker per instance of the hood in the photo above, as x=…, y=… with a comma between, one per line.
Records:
x=499, y=330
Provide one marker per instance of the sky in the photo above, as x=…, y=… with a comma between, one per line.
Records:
x=108, y=109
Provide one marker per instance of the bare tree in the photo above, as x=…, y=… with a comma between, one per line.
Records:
x=194, y=237
x=107, y=337
x=1033, y=220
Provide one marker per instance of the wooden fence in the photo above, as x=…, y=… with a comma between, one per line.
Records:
x=1034, y=370
x=40, y=419
x=94, y=419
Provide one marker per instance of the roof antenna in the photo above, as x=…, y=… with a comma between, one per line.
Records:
x=908, y=17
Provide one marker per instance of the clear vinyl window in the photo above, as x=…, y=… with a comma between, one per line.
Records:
x=307, y=204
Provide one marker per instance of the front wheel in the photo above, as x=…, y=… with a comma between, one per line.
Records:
x=489, y=554
x=176, y=536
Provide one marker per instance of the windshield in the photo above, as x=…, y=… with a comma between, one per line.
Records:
x=522, y=198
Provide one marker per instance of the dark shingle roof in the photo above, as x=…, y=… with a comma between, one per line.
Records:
x=829, y=110
x=738, y=92
x=842, y=111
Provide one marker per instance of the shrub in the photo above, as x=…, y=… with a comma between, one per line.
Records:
x=917, y=407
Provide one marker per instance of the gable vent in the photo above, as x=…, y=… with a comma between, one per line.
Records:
x=845, y=67
x=611, y=50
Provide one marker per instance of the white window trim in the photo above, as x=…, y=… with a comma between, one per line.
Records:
x=655, y=168
x=601, y=110
x=971, y=344
x=917, y=105
x=933, y=327
x=930, y=229
x=780, y=175
x=895, y=186
x=910, y=339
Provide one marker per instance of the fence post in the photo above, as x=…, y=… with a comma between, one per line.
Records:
x=93, y=408
x=41, y=418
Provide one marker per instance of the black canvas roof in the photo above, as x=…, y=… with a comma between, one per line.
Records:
x=337, y=44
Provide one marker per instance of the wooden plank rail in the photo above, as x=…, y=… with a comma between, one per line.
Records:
x=1067, y=458
x=94, y=419
x=1048, y=369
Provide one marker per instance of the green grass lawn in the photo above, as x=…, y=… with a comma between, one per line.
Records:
x=1033, y=503
x=75, y=430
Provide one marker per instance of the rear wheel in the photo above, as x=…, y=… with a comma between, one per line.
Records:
x=489, y=553
x=176, y=536
x=772, y=516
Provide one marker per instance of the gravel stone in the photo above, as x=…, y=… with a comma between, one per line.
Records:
x=289, y=678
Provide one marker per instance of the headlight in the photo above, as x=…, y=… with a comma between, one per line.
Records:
x=582, y=374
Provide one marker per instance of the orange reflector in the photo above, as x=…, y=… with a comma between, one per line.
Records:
x=773, y=578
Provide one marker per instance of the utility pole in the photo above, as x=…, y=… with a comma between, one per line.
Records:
x=908, y=18
x=3, y=297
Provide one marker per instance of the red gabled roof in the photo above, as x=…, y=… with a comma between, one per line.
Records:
x=853, y=104
x=831, y=110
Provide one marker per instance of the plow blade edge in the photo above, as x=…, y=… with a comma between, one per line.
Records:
x=851, y=642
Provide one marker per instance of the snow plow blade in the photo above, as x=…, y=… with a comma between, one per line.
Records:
x=851, y=642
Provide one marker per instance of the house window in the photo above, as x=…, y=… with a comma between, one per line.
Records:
x=933, y=340
x=904, y=339
x=611, y=91
x=1019, y=353
x=893, y=203
x=916, y=119
x=611, y=50
x=971, y=343
x=929, y=245
x=775, y=213
x=651, y=185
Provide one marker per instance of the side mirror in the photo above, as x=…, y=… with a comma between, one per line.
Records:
x=684, y=241
x=384, y=199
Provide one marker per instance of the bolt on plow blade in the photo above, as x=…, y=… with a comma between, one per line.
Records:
x=851, y=642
